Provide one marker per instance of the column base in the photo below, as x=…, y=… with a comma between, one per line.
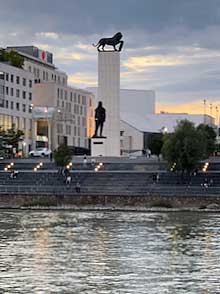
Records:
x=98, y=146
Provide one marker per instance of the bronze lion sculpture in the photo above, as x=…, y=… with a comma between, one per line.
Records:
x=115, y=40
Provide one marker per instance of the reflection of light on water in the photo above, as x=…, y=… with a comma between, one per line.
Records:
x=41, y=248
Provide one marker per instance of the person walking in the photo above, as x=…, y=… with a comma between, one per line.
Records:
x=78, y=187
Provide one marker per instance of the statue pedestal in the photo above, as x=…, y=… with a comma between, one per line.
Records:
x=109, y=94
x=98, y=146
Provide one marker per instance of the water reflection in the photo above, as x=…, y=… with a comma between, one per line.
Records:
x=82, y=252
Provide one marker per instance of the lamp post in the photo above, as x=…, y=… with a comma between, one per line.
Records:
x=48, y=139
x=204, y=110
x=24, y=148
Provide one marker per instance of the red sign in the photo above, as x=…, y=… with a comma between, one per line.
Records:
x=43, y=55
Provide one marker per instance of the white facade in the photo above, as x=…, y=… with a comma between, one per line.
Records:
x=109, y=94
x=16, y=96
x=74, y=123
x=133, y=127
x=140, y=102
x=72, y=119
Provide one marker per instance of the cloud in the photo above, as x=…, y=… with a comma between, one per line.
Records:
x=82, y=79
x=48, y=35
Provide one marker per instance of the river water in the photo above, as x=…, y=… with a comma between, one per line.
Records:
x=109, y=252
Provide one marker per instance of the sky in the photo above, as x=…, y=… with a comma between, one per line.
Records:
x=171, y=46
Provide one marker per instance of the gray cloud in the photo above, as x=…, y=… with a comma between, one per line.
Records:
x=166, y=29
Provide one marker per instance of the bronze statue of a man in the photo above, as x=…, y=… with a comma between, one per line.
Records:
x=99, y=119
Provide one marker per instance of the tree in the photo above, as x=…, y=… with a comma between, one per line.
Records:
x=184, y=147
x=208, y=136
x=62, y=155
x=12, y=57
x=155, y=144
x=11, y=138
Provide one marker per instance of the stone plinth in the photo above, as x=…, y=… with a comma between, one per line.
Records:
x=109, y=94
x=98, y=146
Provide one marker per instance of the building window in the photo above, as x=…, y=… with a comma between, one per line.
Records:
x=74, y=97
x=6, y=90
x=81, y=109
x=30, y=83
x=74, y=142
x=17, y=93
x=23, y=107
x=61, y=93
x=79, y=142
x=17, y=80
x=30, y=109
x=71, y=96
x=12, y=92
x=6, y=103
x=78, y=99
x=68, y=129
x=29, y=68
x=78, y=131
x=58, y=93
x=24, y=95
x=43, y=75
x=58, y=79
x=12, y=78
x=46, y=76
x=65, y=95
x=62, y=104
x=6, y=77
x=30, y=96
x=17, y=106
x=12, y=105
x=24, y=82
x=2, y=75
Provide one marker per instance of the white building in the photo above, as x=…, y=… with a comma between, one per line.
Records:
x=140, y=102
x=136, y=129
x=72, y=120
x=16, y=98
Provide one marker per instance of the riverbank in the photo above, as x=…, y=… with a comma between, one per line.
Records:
x=110, y=202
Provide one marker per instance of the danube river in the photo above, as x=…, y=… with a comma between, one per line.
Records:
x=109, y=252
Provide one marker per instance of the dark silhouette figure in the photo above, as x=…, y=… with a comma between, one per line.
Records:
x=115, y=40
x=99, y=119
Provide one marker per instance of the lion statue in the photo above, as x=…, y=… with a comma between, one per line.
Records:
x=115, y=40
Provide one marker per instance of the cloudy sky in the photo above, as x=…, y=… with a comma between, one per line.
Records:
x=171, y=46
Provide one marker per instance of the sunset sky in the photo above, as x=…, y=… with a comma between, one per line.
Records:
x=171, y=46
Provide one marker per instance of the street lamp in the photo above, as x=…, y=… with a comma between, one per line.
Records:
x=24, y=148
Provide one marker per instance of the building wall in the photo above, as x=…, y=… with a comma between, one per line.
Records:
x=73, y=113
x=17, y=98
x=140, y=102
x=131, y=139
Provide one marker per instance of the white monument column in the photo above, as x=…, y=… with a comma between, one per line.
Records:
x=109, y=94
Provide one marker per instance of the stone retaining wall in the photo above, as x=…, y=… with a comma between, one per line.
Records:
x=106, y=201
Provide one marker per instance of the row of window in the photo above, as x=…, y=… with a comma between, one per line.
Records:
x=78, y=109
x=45, y=76
x=73, y=96
x=76, y=130
x=6, y=122
x=18, y=93
x=10, y=77
x=16, y=105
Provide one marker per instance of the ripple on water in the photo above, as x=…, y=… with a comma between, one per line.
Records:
x=109, y=252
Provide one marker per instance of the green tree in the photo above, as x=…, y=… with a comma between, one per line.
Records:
x=208, y=136
x=62, y=155
x=11, y=137
x=155, y=144
x=184, y=147
x=12, y=57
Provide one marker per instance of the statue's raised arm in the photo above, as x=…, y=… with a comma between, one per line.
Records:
x=115, y=40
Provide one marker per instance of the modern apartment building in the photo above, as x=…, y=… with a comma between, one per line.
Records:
x=61, y=114
x=16, y=98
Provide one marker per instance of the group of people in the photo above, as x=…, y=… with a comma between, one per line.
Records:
x=67, y=179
